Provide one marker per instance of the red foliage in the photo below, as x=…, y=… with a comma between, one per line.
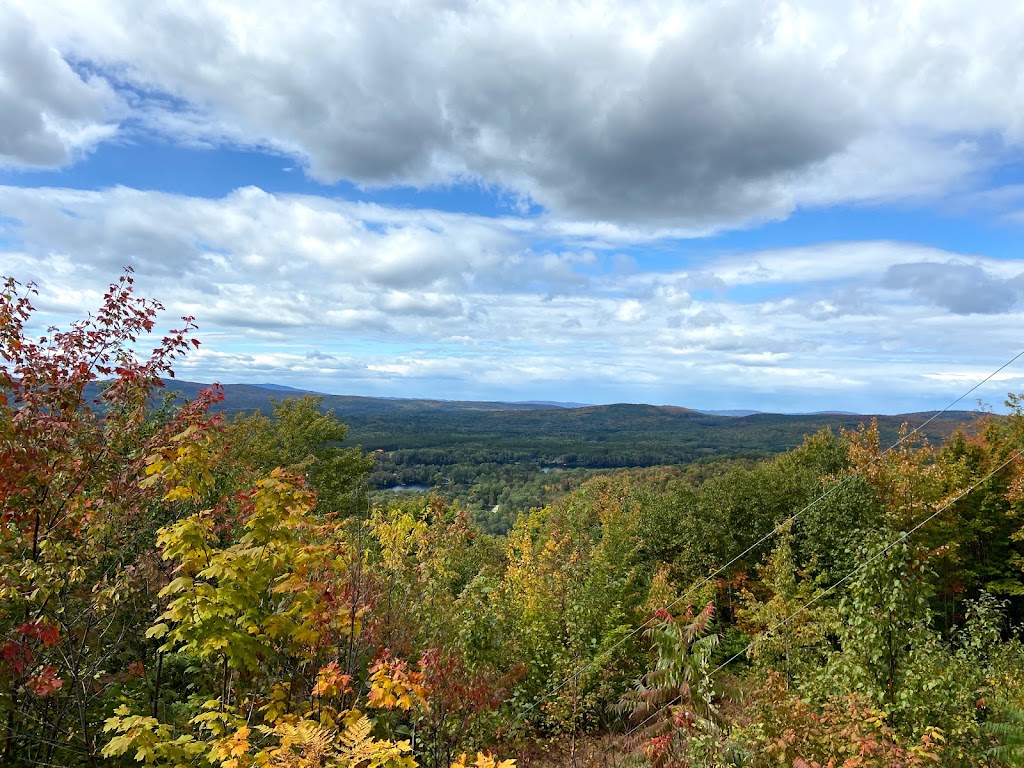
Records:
x=46, y=682
x=455, y=688
x=76, y=426
x=17, y=655
x=42, y=630
x=59, y=433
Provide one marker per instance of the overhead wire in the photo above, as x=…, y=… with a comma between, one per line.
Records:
x=777, y=529
x=880, y=553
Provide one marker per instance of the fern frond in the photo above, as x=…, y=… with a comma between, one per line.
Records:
x=357, y=734
x=304, y=745
x=1008, y=730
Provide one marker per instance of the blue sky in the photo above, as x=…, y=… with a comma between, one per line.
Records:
x=782, y=206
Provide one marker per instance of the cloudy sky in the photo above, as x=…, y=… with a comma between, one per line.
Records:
x=777, y=205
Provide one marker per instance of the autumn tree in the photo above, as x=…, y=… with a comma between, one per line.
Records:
x=301, y=437
x=76, y=565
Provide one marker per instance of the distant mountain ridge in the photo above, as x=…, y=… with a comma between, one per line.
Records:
x=730, y=412
x=555, y=403
x=246, y=397
x=283, y=388
x=597, y=436
x=249, y=397
x=744, y=412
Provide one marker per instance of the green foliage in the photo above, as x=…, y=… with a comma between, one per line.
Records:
x=794, y=642
x=571, y=591
x=673, y=706
x=519, y=457
x=176, y=592
x=886, y=618
x=303, y=439
x=260, y=611
x=77, y=571
x=1007, y=727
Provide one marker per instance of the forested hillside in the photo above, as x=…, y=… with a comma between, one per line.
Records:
x=601, y=436
x=178, y=588
x=500, y=459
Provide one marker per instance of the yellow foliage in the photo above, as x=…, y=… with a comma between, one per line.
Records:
x=393, y=686
x=483, y=760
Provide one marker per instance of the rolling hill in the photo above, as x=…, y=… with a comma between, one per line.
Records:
x=619, y=435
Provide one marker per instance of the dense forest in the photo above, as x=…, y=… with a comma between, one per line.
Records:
x=500, y=459
x=180, y=588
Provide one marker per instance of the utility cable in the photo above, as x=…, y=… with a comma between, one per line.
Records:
x=903, y=537
x=779, y=527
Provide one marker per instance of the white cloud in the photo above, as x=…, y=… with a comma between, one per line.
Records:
x=842, y=261
x=311, y=292
x=51, y=113
x=959, y=288
x=625, y=119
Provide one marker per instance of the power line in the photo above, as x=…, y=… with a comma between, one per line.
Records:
x=779, y=527
x=820, y=595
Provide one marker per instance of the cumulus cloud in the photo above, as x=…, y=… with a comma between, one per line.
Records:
x=960, y=288
x=310, y=292
x=649, y=115
x=51, y=113
x=428, y=304
x=706, y=318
